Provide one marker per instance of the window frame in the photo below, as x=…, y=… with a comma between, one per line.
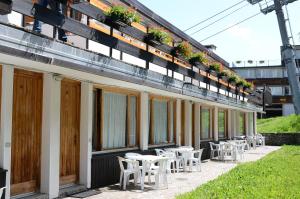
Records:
x=100, y=90
x=170, y=102
x=225, y=124
x=210, y=136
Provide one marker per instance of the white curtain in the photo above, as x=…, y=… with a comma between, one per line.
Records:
x=171, y=107
x=251, y=125
x=221, y=124
x=132, y=120
x=160, y=121
x=205, y=123
x=114, y=129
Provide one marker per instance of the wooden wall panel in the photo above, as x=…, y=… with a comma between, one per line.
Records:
x=26, y=132
x=70, y=132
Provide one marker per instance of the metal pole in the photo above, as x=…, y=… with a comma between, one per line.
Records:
x=288, y=55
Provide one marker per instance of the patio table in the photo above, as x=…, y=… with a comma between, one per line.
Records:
x=186, y=152
x=147, y=161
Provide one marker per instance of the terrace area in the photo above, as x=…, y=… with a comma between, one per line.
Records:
x=180, y=183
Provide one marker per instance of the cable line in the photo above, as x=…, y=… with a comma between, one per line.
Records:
x=231, y=26
x=214, y=15
x=219, y=19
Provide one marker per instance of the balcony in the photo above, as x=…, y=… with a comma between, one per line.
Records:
x=101, y=47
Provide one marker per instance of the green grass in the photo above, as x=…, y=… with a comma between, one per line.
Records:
x=275, y=176
x=287, y=124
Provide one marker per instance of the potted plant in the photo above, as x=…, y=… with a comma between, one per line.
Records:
x=232, y=79
x=122, y=16
x=158, y=37
x=214, y=68
x=248, y=86
x=183, y=50
x=224, y=74
x=197, y=59
x=241, y=83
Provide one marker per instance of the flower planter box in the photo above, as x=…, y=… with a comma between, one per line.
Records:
x=212, y=72
x=119, y=22
x=5, y=7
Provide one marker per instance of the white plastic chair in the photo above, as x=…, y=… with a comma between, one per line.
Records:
x=1, y=191
x=160, y=174
x=195, y=160
x=132, y=168
x=213, y=149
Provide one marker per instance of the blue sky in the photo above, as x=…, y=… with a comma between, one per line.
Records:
x=255, y=39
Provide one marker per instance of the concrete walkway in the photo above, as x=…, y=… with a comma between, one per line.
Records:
x=184, y=181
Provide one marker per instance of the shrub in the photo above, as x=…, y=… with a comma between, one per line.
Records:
x=224, y=73
x=241, y=83
x=123, y=14
x=248, y=85
x=160, y=36
x=197, y=58
x=184, y=49
x=232, y=78
x=214, y=67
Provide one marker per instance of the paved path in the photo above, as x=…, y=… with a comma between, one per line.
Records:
x=182, y=182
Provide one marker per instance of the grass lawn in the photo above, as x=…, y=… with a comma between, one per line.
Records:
x=275, y=176
x=287, y=124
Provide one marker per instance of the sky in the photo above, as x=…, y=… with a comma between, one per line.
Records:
x=255, y=39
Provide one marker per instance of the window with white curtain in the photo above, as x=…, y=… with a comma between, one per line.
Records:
x=242, y=124
x=161, y=121
x=251, y=124
x=222, y=123
x=114, y=121
x=205, y=123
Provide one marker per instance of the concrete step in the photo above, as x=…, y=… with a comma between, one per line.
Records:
x=71, y=190
x=31, y=196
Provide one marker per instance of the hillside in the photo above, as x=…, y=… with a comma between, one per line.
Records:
x=285, y=124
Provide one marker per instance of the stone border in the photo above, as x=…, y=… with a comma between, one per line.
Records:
x=279, y=139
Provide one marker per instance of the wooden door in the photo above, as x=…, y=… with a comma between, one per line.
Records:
x=69, y=134
x=26, y=132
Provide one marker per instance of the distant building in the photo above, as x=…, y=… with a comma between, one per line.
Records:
x=263, y=73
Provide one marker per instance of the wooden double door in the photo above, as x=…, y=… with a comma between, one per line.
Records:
x=27, y=127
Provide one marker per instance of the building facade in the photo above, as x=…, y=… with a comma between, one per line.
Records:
x=274, y=77
x=67, y=110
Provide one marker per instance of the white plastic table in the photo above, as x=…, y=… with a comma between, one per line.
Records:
x=146, y=160
x=186, y=152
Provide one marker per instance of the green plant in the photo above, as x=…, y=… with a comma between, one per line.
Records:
x=248, y=85
x=160, y=36
x=241, y=83
x=224, y=73
x=123, y=14
x=232, y=78
x=184, y=49
x=214, y=67
x=197, y=57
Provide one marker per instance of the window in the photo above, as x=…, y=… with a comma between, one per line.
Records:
x=222, y=123
x=115, y=120
x=251, y=123
x=205, y=123
x=161, y=121
x=242, y=124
